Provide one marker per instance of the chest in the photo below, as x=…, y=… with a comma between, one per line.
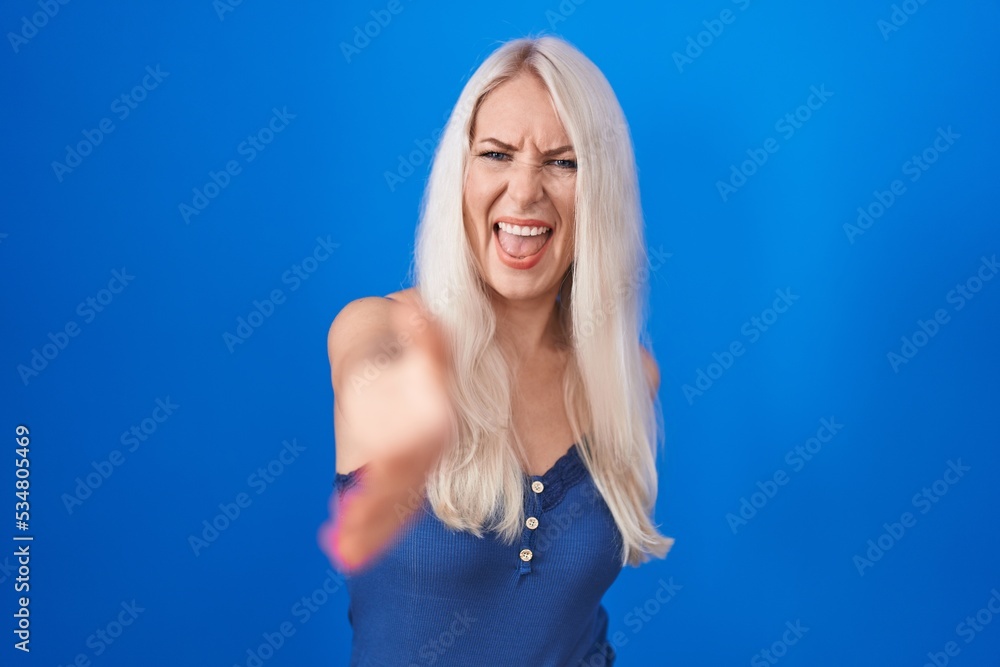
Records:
x=539, y=415
x=486, y=596
x=571, y=552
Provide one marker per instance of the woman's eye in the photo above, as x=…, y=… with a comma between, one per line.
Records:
x=565, y=164
x=493, y=155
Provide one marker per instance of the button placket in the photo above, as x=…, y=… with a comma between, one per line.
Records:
x=531, y=523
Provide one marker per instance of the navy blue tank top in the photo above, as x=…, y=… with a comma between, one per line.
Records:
x=442, y=597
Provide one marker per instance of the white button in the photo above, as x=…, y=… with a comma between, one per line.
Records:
x=531, y=523
x=537, y=486
x=525, y=555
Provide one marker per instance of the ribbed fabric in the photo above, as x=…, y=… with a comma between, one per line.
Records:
x=442, y=597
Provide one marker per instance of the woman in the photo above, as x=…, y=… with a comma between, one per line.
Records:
x=495, y=425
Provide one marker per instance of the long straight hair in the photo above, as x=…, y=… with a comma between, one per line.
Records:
x=479, y=483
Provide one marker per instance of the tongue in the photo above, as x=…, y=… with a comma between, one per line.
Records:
x=521, y=246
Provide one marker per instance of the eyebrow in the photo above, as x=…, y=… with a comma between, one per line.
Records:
x=512, y=149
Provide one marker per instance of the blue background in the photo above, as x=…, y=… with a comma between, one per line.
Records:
x=360, y=116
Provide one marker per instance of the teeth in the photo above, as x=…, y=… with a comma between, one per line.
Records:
x=518, y=230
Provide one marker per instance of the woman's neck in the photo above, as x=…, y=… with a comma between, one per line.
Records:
x=528, y=327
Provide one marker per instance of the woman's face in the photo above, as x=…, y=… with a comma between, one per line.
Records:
x=519, y=193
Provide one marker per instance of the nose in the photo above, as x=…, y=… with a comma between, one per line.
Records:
x=525, y=186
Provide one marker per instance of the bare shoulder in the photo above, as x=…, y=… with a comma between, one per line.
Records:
x=358, y=326
x=410, y=296
x=359, y=316
x=353, y=320
x=652, y=369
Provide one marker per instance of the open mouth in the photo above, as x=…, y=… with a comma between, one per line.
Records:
x=521, y=246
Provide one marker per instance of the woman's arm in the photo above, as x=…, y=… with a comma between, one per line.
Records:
x=391, y=418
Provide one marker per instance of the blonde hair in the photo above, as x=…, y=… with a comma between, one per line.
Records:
x=479, y=482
